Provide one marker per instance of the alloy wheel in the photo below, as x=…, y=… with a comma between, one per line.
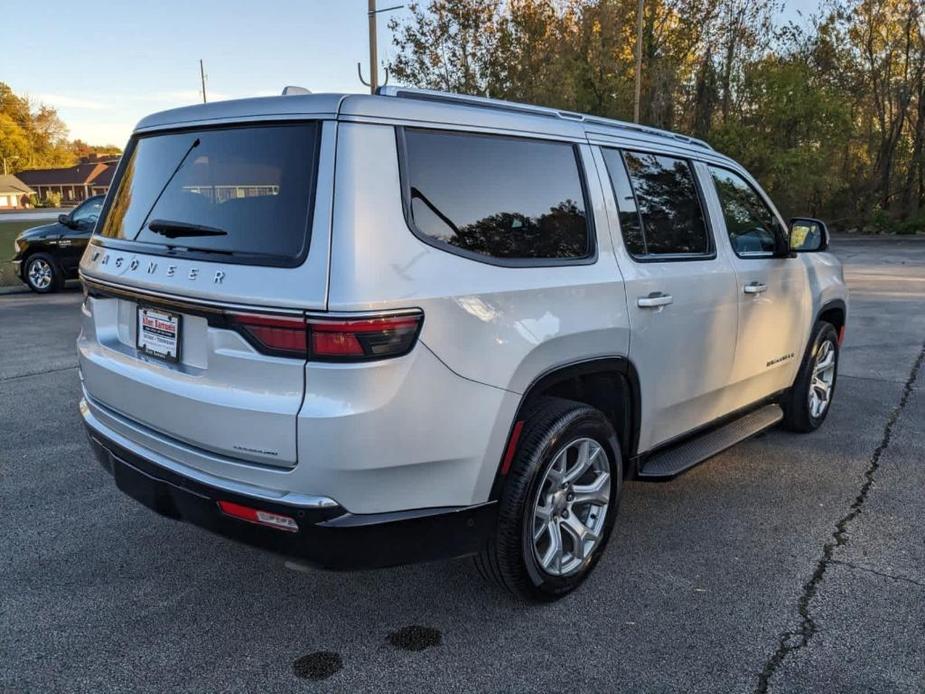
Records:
x=822, y=380
x=40, y=273
x=570, y=507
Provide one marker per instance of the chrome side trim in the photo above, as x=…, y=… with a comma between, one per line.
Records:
x=296, y=499
x=194, y=305
x=134, y=293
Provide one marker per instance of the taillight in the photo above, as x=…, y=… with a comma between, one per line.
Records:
x=277, y=335
x=330, y=338
x=347, y=339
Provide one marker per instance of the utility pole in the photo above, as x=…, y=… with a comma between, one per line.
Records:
x=639, y=11
x=373, y=49
x=202, y=77
x=5, y=160
x=373, y=83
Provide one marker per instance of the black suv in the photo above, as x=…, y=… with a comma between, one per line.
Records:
x=48, y=255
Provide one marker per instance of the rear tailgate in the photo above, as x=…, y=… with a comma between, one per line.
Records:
x=203, y=229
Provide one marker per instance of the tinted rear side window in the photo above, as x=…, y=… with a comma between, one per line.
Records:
x=240, y=192
x=499, y=197
x=630, y=222
x=667, y=202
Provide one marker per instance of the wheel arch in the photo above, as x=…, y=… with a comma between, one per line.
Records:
x=835, y=312
x=609, y=384
x=24, y=259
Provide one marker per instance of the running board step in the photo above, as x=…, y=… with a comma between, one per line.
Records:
x=671, y=462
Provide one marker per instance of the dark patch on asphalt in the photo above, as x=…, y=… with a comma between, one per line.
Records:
x=790, y=641
x=415, y=638
x=317, y=666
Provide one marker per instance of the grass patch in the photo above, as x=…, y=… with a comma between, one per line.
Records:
x=8, y=232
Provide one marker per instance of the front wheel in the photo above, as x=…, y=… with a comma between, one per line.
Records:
x=559, y=502
x=808, y=401
x=42, y=274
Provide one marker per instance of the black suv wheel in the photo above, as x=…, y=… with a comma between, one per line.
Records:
x=808, y=401
x=559, y=502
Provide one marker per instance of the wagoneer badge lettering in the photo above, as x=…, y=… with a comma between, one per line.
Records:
x=151, y=268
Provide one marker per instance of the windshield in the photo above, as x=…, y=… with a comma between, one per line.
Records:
x=241, y=191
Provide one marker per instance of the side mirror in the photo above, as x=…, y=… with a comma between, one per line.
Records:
x=65, y=220
x=808, y=235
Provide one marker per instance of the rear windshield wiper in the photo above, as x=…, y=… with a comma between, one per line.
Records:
x=175, y=230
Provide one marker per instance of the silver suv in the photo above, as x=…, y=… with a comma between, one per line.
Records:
x=370, y=330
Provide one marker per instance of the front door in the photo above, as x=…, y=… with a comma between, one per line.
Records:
x=680, y=291
x=773, y=291
x=75, y=239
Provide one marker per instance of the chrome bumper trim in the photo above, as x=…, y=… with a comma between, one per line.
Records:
x=303, y=500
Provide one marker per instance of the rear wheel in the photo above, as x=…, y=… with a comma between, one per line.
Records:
x=559, y=502
x=42, y=274
x=808, y=401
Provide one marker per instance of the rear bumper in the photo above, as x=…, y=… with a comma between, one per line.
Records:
x=328, y=535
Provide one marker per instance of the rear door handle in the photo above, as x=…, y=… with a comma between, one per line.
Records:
x=654, y=300
x=756, y=288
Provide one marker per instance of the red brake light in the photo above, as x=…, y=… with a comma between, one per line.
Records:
x=279, y=335
x=366, y=338
x=330, y=339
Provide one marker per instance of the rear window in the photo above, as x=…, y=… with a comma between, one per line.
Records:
x=505, y=198
x=244, y=193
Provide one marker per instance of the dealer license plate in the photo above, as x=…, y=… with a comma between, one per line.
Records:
x=159, y=333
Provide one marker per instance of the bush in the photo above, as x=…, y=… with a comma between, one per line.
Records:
x=51, y=200
x=913, y=225
x=881, y=222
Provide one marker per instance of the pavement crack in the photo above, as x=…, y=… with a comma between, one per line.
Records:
x=793, y=640
x=882, y=574
x=37, y=373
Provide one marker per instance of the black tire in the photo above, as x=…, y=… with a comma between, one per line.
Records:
x=39, y=260
x=509, y=558
x=798, y=414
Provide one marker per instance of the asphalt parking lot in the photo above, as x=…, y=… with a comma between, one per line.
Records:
x=787, y=564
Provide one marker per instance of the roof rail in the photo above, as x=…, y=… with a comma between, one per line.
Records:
x=502, y=105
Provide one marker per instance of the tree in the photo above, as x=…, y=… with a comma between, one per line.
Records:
x=80, y=149
x=453, y=46
x=14, y=144
x=34, y=136
x=830, y=116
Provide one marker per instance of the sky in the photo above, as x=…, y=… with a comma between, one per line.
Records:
x=105, y=65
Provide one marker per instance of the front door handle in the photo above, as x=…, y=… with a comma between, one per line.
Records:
x=756, y=288
x=654, y=300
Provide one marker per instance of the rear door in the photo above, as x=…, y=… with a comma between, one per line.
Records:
x=773, y=293
x=212, y=245
x=680, y=290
